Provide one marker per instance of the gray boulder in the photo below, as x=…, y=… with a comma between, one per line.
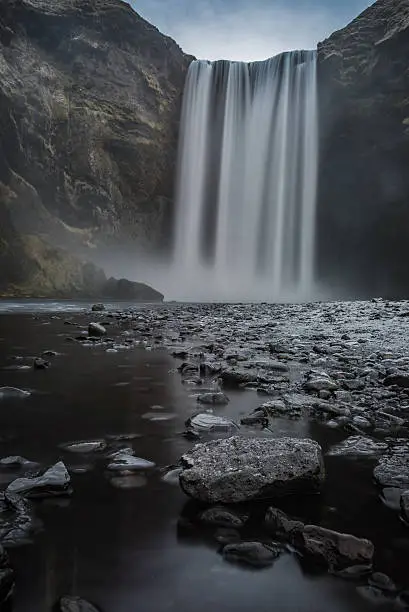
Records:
x=239, y=469
x=55, y=481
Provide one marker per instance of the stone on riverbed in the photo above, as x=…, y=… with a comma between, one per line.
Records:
x=209, y=422
x=393, y=471
x=222, y=517
x=213, y=399
x=358, y=446
x=13, y=393
x=84, y=446
x=96, y=329
x=55, y=481
x=75, y=604
x=239, y=469
x=124, y=462
x=251, y=553
x=337, y=550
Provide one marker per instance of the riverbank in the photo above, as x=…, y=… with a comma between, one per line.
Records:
x=120, y=538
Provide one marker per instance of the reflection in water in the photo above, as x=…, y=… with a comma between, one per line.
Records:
x=141, y=549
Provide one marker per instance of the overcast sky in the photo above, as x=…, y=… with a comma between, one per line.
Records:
x=248, y=29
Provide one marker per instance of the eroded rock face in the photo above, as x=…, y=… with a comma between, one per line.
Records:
x=242, y=469
x=364, y=183
x=89, y=107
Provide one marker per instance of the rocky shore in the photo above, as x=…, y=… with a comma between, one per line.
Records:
x=339, y=367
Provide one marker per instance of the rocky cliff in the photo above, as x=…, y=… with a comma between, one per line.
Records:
x=89, y=107
x=364, y=173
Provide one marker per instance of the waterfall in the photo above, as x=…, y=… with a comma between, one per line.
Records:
x=247, y=177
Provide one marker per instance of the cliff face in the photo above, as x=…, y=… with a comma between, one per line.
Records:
x=89, y=108
x=364, y=175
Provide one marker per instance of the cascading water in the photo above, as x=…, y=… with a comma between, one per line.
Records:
x=247, y=177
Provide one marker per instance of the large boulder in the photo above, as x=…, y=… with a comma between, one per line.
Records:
x=240, y=469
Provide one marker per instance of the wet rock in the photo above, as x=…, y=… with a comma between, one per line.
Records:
x=75, y=604
x=17, y=522
x=227, y=536
x=40, y=364
x=213, y=399
x=96, y=330
x=404, y=506
x=49, y=354
x=361, y=422
x=393, y=471
x=17, y=462
x=382, y=582
x=124, y=462
x=222, y=517
x=172, y=476
x=98, y=308
x=356, y=446
x=84, y=446
x=258, y=417
x=210, y=423
x=6, y=578
x=55, y=481
x=390, y=496
x=320, y=382
x=354, y=572
x=13, y=393
x=336, y=550
x=234, y=377
x=401, y=380
x=279, y=524
x=374, y=595
x=128, y=482
x=251, y=553
x=241, y=469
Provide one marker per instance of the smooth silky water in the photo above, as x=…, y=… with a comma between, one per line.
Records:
x=247, y=181
x=129, y=550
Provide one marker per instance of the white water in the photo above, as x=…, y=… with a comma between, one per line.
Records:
x=247, y=176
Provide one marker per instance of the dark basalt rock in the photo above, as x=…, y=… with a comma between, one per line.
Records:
x=242, y=469
x=251, y=553
x=337, y=550
x=222, y=517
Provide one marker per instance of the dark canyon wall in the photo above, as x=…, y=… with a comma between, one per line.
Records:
x=364, y=172
x=90, y=98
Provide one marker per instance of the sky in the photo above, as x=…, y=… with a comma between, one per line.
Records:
x=248, y=30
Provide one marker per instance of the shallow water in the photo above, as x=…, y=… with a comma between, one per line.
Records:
x=125, y=548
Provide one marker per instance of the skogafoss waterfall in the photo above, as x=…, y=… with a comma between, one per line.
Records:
x=247, y=177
